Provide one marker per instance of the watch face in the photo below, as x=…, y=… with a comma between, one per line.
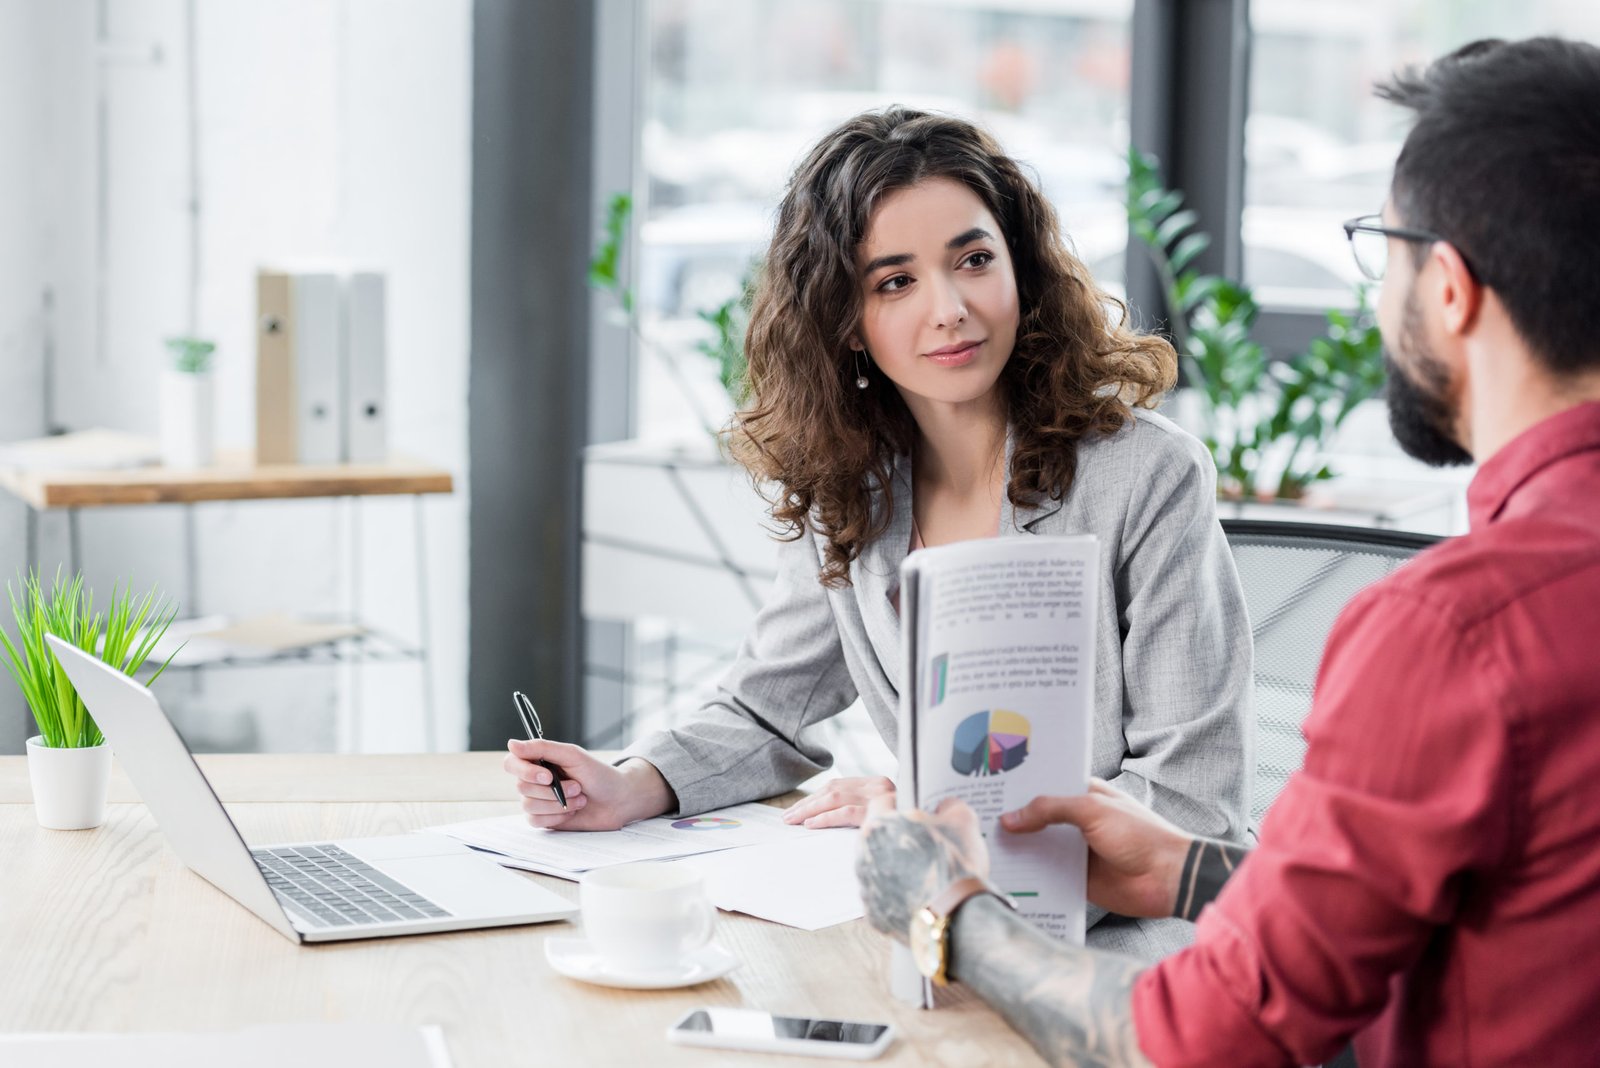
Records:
x=925, y=948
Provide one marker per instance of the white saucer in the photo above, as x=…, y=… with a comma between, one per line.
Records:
x=576, y=959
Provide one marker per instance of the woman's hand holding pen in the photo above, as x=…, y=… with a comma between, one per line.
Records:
x=842, y=803
x=600, y=796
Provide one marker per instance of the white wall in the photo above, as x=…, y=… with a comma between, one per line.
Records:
x=325, y=130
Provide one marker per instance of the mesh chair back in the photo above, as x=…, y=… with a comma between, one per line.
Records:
x=1296, y=579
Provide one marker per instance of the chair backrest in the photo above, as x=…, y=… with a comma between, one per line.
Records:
x=1296, y=578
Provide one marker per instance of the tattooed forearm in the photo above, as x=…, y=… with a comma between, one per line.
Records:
x=904, y=866
x=1074, y=1004
x=1208, y=865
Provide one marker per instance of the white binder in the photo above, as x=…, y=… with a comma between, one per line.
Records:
x=365, y=345
x=319, y=404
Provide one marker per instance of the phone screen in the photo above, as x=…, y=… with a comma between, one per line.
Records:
x=752, y=1024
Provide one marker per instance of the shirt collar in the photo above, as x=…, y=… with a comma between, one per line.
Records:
x=1575, y=430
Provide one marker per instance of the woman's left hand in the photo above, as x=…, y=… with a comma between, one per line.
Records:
x=842, y=803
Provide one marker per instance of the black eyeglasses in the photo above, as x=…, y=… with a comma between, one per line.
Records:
x=1369, y=242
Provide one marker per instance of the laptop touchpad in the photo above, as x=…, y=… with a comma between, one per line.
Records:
x=470, y=885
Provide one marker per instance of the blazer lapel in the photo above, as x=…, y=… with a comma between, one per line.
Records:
x=1016, y=521
x=875, y=575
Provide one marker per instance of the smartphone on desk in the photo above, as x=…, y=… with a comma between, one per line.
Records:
x=752, y=1029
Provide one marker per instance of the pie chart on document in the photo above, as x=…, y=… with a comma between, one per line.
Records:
x=990, y=743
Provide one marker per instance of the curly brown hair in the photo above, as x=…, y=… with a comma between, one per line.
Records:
x=1077, y=367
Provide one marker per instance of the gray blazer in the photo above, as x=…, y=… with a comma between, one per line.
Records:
x=1173, y=724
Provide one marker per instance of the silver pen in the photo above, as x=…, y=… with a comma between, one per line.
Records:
x=535, y=729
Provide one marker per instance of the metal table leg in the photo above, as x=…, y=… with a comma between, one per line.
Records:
x=73, y=555
x=354, y=672
x=191, y=582
x=425, y=631
x=191, y=563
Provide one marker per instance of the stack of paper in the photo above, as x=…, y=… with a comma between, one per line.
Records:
x=753, y=862
x=85, y=450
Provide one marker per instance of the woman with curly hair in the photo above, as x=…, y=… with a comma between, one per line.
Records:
x=929, y=363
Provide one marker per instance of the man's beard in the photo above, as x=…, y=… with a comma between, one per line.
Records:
x=1419, y=414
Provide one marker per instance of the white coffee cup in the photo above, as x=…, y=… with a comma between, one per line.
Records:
x=645, y=917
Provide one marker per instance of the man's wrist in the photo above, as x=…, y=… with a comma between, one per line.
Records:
x=1073, y=1004
x=969, y=924
x=1207, y=866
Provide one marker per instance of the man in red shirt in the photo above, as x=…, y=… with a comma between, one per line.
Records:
x=1429, y=883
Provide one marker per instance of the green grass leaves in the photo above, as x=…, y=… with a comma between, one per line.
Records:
x=123, y=636
x=191, y=355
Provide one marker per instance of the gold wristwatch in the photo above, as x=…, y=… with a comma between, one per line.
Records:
x=930, y=925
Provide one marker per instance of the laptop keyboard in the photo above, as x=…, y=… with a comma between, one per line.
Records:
x=332, y=888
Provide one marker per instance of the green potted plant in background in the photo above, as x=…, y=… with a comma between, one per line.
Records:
x=727, y=321
x=1267, y=423
x=187, y=404
x=69, y=762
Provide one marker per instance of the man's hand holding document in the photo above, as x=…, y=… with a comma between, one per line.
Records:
x=995, y=706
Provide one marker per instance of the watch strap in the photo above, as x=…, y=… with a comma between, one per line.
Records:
x=939, y=913
x=959, y=893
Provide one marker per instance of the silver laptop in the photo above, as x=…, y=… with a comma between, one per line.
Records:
x=310, y=892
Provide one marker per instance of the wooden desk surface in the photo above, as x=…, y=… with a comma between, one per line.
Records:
x=104, y=930
x=235, y=477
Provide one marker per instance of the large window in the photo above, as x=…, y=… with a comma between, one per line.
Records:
x=733, y=93
x=1319, y=147
x=738, y=90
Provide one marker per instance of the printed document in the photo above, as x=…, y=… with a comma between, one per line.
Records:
x=995, y=705
x=568, y=854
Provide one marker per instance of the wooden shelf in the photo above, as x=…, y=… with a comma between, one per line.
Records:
x=233, y=478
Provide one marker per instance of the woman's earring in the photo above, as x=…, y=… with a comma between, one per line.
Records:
x=861, y=372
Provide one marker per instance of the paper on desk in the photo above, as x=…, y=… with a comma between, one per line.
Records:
x=310, y=1045
x=568, y=854
x=807, y=882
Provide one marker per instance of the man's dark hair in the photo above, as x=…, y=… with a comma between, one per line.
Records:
x=1504, y=163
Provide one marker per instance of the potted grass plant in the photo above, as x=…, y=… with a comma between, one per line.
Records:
x=69, y=762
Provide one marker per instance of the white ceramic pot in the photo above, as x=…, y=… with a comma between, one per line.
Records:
x=69, y=785
x=186, y=419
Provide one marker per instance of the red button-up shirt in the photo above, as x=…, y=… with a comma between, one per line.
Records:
x=1429, y=882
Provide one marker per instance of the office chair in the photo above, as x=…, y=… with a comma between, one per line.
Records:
x=1296, y=579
